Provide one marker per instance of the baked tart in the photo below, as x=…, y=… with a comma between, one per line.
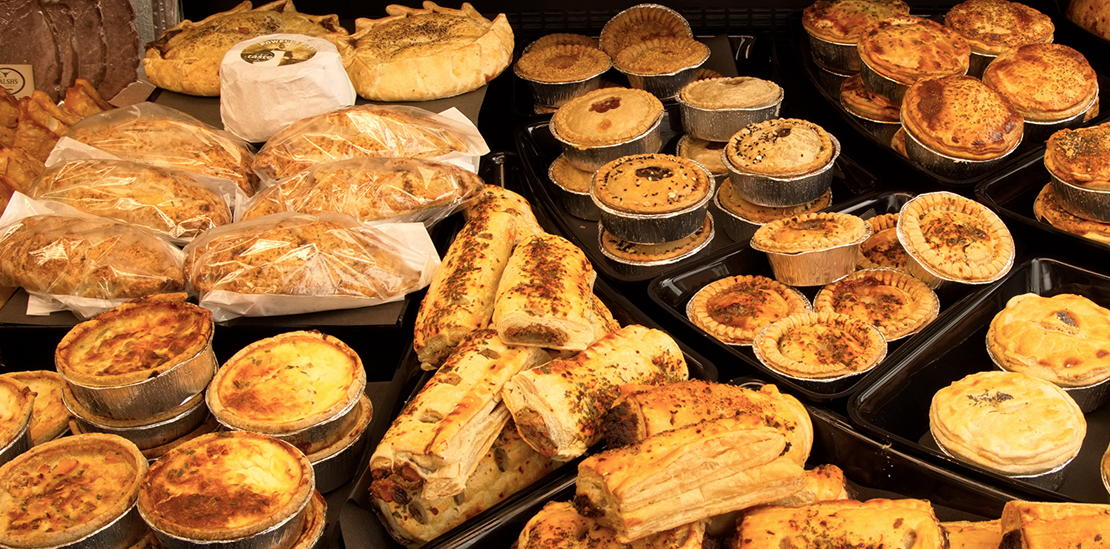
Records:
x=858, y=100
x=842, y=21
x=15, y=414
x=1044, y=82
x=1009, y=423
x=569, y=177
x=1080, y=156
x=810, y=232
x=882, y=248
x=820, y=346
x=706, y=153
x=994, y=26
x=955, y=238
x=661, y=56
x=641, y=23
x=606, y=116
x=735, y=204
x=780, y=147
x=736, y=308
x=635, y=253
x=1064, y=339
x=738, y=92
x=561, y=39
x=1048, y=209
x=960, y=117
x=651, y=184
x=49, y=418
x=562, y=63
x=906, y=49
x=894, y=302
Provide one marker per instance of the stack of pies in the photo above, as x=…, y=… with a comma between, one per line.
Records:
x=572, y=188
x=1079, y=163
x=1048, y=208
x=662, y=66
x=992, y=27
x=560, y=67
x=875, y=112
x=742, y=218
x=49, y=418
x=606, y=124
x=641, y=23
x=834, y=28
x=714, y=109
x=781, y=162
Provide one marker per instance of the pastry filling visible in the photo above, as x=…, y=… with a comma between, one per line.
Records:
x=66, y=493
x=884, y=249
x=957, y=237
x=748, y=306
x=871, y=298
x=824, y=345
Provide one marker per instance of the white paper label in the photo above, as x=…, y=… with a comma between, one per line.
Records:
x=19, y=80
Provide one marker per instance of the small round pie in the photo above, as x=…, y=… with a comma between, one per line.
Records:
x=707, y=153
x=654, y=254
x=761, y=215
x=1044, y=82
x=559, y=39
x=820, y=346
x=883, y=249
x=50, y=417
x=651, y=184
x=906, y=49
x=1007, y=422
x=892, y=301
x=994, y=26
x=562, y=63
x=641, y=23
x=661, y=56
x=857, y=100
x=738, y=92
x=843, y=20
x=606, y=116
x=810, y=232
x=955, y=238
x=780, y=147
x=16, y=409
x=736, y=308
x=1081, y=156
x=1049, y=210
x=960, y=117
x=567, y=176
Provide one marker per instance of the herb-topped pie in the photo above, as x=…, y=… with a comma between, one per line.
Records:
x=810, y=232
x=961, y=117
x=736, y=308
x=994, y=26
x=843, y=20
x=892, y=301
x=606, y=116
x=1044, y=82
x=1081, y=156
x=780, y=147
x=883, y=249
x=820, y=346
x=650, y=184
x=955, y=238
x=906, y=49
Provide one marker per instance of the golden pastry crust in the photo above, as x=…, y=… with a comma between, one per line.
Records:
x=994, y=26
x=738, y=92
x=820, y=346
x=1044, y=525
x=558, y=523
x=562, y=63
x=857, y=100
x=493, y=198
x=892, y=301
x=761, y=215
x=906, y=49
x=736, y=308
x=418, y=54
x=661, y=56
x=842, y=21
x=1093, y=15
x=1007, y=422
x=850, y=523
x=706, y=153
x=780, y=147
x=959, y=116
x=1049, y=210
x=974, y=535
x=956, y=238
x=810, y=232
x=561, y=38
x=898, y=141
x=882, y=248
x=1064, y=339
x=606, y=116
x=1044, y=82
x=641, y=23
x=633, y=252
x=651, y=184
x=50, y=417
x=18, y=406
x=567, y=176
x=64, y=490
x=1080, y=156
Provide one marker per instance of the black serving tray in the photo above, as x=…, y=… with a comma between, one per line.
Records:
x=895, y=405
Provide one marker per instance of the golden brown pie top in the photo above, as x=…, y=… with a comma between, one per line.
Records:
x=651, y=183
x=907, y=49
x=820, y=346
x=49, y=417
x=1064, y=339
x=760, y=215
x=959, y=116
x=1044, y=81
x=661, y=56
x=562, y=63
x=632, y=252
x=16, y=406
x=843, y=20
x=1093, y=15
x=738, y=92
x=883, y=249
x=641, y=23
x=780, y=147
x=606, y=116
x=892, y=301
x=736, y=308
x=1081, y=156
x=810, y=232
x=710, y=154
x=1048, y=209
x=567, y=176
x=857, y=100
x=994, y=26
x=955, y=238
x=561, y=38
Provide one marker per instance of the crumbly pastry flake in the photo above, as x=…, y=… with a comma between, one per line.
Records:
x=820, y=346
x=739, y=92
x=961, y=117
x=956, y=238
x=651, y=183
x=994, y=26
x=607, y=116
x=736, y=308
x=882, y=248
x=810, y=232
x=906, y=49
x=892, y=301
x=780, y=147
x=1044, y=82
x=843, y=20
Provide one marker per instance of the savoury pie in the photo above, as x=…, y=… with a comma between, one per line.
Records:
x=569, y=177
x=560, y=39
x=820, y=346
x=963, y=534
x=960, y=117
x=780, y=147
x=732, y=202
x=858, y=100
x=892, y=301
x=1007, y=422
x=1081, y=156
x=906, y=49
x=1048, y=209
x=1064, y=339
x=49, y=418
x=1050, y=525
x=810, y=232
x=955, y=238
x=607, y=116
x=641, y=23
x=847, y=523
x=562, y=63
x=738, y=92
x=882, y=248
x=635, y=253
x=706, y=153
x=661, y=56
x=898, y=141
x=651, y=184
x=16, y=412
x=736, y=308
x=842, y=21
x=994, y=26
x=1044, y=82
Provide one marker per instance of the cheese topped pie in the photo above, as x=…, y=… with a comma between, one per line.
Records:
x=1045, y=525
x=736, y=308
x=892, y=301
x=50, y=417
x=641, y=23
x=906, y=49
x=1080, y=156
x=994, y=26
x=810, y=232
x=843, y=20
x=882, y=248
x=651, y=184
x=956, y=238
x=780, y=147
x=739, y=92
x=1048, y=209
x=661, y=56
x=1044, y=82
x=820, y=346
x=562, y=63
x=961, y=117
x=17, y=401
x=1064, y=339
x=1007, y=422
x=606, y=116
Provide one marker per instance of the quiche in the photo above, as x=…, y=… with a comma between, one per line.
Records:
x=736, y=308
x=1046, y=208
x=820, y=346
x=842, y=21
x=906, y=49
x=780, y=147
x=810, y=232
x=882, y=248
x=15, y=414
x=995, y=26
x=1080, y=156
x=955, y=238
x=894, y=302
x=606, y=116
x=49, y=417
x=651, y=184
x=961, y=117
x=61, y=491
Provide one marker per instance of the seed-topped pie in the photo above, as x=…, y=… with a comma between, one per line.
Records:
x=955, y=238
x=1048, y=209
x=1044, y=81
x=994, y=26
x=892, y=301
x=883, y=249
x=736, y=308
x=780, y=147
x=810, y=232
x=961, y=117
x=606, y=116
x=906, y=49
x=1081, y=156
x=820, y=346
x=651, y=184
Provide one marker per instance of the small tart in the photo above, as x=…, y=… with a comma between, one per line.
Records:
x=761, y=215
x=707, y=153
x=641, y=23
x=820, y=346
x=857, y=100
x=780, y=147
x=633, y=252
x=1044, y=82
x=560, y=39
x=16, y=409
x=1007, y=422
x=736, y=308
x=607, y=116
x=64, y=490
x=892, y=301
x=225, y=486
x=843, y=20
x=906, y=49
x=883, y=249
x=1064, y=339
x=661, y=56
x=739, y=92
x=1049, y=210
x=565, y=175
x=651, y=184
x=810, y=232
x=562, y=63
x=1081, y=156
x=50, y=417
x=955, y=238
x=994, y=26
x=961, y=117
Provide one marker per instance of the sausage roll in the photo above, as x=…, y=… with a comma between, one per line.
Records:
x=872, y=523
x=499, y=199
x=559, y=526
x=1033, y=525
x=822, y=483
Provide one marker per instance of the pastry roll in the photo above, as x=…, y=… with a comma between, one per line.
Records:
x=499, y=199
x=1031, y=525
x=559, y=526
x=684, y=475
x=973, y=535
x=558, y=407
x=822, y=483
x=438, y=439
x=873, y=523
x=544, y=295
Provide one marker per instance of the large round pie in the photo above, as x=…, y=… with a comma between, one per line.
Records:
x=50, y=417
x=906, y=49
x=780, y=147
x=736, y=308
x=843, y=20
x=651, y=184
x=810, y=232
x=882, y=248
x=1044, y=82
x=961, y=117
x=1048, y=209
x=994, y=26
x=820, y=346
x=606, y=116
x=1007, y=422
x=892, y=301
x=1080, y=156
x=955, y=238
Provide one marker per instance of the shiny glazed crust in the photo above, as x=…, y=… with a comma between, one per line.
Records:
x=1044, y=82
x=820, y=346
x=660, y=56
x=872, y=523
x=50, y=417
x=493, y=198
x=1081, y=156
x=761, y=215
x=633, y=252
x=780, y=147
x=15, y=413
x=1047, y=209
x=1043, y=525
x=1007, y=422
x=864, y=104
x=892, y=301
x=1093, y=15
x=558, y=522
x=994, y=26
x=562, y=63
x=843, y=20
x=736, y=308
x=959, y=116
x=651, y=184
x=810, y=232
x=906, y=49
x=606, y=116
x=883, y=249
x=955, y=237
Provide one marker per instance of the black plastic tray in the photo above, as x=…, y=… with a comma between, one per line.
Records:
x=895, y=405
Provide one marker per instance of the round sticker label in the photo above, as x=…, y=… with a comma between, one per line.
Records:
x=277, y=52
x=12, y=80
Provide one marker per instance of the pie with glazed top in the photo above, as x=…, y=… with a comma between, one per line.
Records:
x=810, y=232
x=761, y=215
x=994, y=26
x=883, y=249
x=736, y=308
x=955, y=238
x=1080, y=156
x=562, y=63
x=639, y=24
x=1048, y=209
x=606, y=116
x=637, y=253
x=906, y=49
x=961, y=117
x=651, y=184
x=1044, y=82
x=16, y=407
x=49, y=416
x=892, y=301
x=738, y=92
x=856, y=99
x=661, y=56
x=780, y=147
x=842, y=21
x=820, y=346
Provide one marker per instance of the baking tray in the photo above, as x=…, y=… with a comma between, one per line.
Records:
x=538, y=149
x=895, y=405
